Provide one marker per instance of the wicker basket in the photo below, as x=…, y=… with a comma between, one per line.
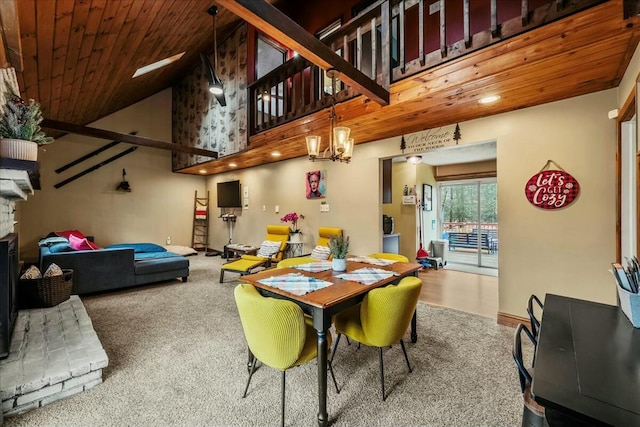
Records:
x=46, y=291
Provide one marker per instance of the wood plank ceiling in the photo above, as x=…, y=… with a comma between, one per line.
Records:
x=79, y=57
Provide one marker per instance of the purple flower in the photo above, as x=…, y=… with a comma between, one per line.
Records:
x=293, y=218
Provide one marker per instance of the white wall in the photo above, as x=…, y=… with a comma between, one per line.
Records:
x=159, y=205
x=566, y=252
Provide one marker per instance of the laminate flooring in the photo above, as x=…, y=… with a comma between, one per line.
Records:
x=471, y=293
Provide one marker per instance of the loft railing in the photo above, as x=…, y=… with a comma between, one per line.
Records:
x=408, y=39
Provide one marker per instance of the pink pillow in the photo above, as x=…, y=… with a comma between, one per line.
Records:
x=68, y=233
x=81, y=244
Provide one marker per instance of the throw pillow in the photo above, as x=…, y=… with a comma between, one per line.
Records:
x=81, y=244
x=60, y=247
x=68, y=233
x=52, y=241
x=321, y=253
x=268, y=248
x=31, y=273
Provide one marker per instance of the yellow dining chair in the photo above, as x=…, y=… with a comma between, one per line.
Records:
x=276, y=334
x=381, y=319
x=246, y=263
x=395, y=257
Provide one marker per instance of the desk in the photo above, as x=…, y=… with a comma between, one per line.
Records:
x=324, y=303
x=588, y=363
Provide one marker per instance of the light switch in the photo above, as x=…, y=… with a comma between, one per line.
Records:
x=277, y=209
x=264, y=208
x=326, y=208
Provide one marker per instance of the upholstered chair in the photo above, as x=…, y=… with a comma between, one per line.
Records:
x=276, y=333
x=382, y=319
x=395, y=257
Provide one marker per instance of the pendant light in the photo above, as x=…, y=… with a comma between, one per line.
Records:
x=215, y=84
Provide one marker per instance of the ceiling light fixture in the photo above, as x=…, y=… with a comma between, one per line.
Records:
x=233, y=165
x=340, y=145
x=215, y=84
x=276, y=154
x=489, y=99
x=415, y=159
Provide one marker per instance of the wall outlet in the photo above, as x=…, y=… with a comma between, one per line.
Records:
x=264, y=208
x=277, y=209
x=168, y=240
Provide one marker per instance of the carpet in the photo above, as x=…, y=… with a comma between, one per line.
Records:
x=177, y=357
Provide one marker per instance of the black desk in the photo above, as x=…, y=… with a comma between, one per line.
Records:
x=588, y=362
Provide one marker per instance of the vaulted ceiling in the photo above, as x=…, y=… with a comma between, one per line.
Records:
x=78, y=58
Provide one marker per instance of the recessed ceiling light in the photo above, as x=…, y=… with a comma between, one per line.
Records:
x=233, y=165
x=162, y=63
x=202, y=171
x=489, y=99
x=276, y=154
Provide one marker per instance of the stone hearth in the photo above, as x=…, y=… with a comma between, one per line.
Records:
x=54, y=353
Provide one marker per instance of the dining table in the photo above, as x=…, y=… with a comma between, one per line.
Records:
x=324, y=293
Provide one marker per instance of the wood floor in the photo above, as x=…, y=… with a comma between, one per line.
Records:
x=472, y=293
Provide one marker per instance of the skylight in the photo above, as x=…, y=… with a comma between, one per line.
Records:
x=162, y=63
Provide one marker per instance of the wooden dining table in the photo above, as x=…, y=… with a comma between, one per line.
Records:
x=323, y=303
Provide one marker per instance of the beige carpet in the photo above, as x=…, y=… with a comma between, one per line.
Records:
x=177, y=358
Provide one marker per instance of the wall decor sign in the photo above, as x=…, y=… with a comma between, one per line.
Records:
x=551, y=188
x=431, y=139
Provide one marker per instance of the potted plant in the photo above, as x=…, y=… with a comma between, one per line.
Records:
x=294, y=233
x=20, y=130
x=339, y=246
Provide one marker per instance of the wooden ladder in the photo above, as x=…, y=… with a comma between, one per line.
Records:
x=200, y=233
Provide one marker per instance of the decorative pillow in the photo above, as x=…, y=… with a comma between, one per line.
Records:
x=68, y=233
x=52, y=241
x=181, y=250
x=321, y=253
x=31, y=273
x=268, y=248
x=81, y=244
x=139, y=247
x=60, y=247
x=53, y=270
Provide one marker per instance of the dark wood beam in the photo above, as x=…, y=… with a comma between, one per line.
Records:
x=271, y=21
x=123, y=137
x=10, y=35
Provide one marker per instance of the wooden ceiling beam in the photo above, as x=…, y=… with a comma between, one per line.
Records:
x=276, y=24
x=10, y=36
x=123, y=137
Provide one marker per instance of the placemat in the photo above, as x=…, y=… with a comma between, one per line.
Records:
x=370, y=260
x=295, y=283
x=315, y=266
x=367, y=275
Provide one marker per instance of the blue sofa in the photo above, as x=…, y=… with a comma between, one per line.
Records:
x=114, y=267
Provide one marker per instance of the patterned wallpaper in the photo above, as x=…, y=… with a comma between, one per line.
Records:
x=199, y=120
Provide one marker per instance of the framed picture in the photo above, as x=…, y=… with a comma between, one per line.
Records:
x=316, y=185
x=426, y=197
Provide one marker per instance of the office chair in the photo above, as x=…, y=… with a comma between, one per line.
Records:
x=381, y=319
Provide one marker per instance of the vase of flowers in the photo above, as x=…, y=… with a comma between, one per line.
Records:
x=295, y=235
x=339, y=246
x=20, y=130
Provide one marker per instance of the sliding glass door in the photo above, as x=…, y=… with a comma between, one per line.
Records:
x=468, y=217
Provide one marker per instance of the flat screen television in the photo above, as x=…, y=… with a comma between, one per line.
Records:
x=229, y=194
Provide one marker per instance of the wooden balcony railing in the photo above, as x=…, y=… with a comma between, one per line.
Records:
x=398, y=48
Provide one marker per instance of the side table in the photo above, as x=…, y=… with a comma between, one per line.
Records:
x=238, y=250
x=294, y=249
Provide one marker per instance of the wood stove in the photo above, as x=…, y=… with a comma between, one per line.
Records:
x=8, y=282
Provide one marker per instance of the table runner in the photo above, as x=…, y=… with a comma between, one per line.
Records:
x=367, y=275
x=370, y=260
x=315, y=266
x=295, y=283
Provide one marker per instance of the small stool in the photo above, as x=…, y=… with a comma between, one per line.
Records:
x=244, y=265
x=433, y=262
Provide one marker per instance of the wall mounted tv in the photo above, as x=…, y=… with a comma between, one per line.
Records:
x=229, y=194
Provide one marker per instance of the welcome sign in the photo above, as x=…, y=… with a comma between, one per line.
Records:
x=430, y=139
x=551, y=189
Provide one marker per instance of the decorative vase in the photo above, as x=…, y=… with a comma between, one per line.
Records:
x=339, y=264
x=18, y=149
x=295, y=237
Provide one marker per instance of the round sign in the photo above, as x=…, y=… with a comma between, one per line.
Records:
x=551, y=189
